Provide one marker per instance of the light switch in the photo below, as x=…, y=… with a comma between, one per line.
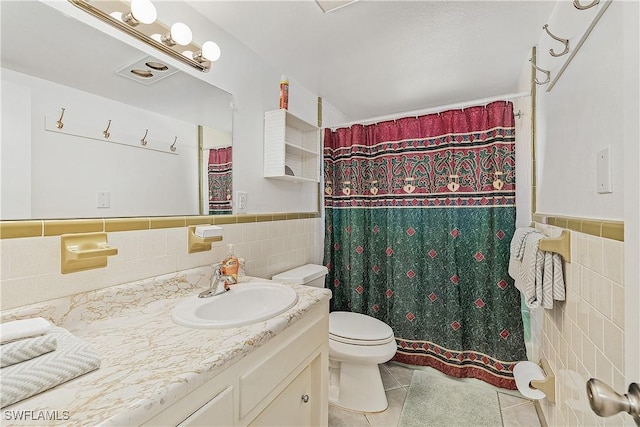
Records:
x=604, y=172
x=241, y=201
x=104, y=199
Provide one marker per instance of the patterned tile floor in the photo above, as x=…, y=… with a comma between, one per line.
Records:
x=516, y=411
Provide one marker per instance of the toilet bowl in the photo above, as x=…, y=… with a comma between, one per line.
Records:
x=357, y=345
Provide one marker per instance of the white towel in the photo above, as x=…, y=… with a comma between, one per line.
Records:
x=538, y=274
x=26, y=328
x=26, y=349
x=72, y=358
x=517, y=250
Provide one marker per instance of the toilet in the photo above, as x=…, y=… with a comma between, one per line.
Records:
x=357, y=345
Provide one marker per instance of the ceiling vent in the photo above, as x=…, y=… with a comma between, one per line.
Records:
x=147, y=70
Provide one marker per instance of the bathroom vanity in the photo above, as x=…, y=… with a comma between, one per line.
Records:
x=155, y=372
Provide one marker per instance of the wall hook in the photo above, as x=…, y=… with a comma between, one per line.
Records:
x=105, y=132
x=561, y=40
x=518, y=114
x=578, y=6
x=548, y=73
x=59, y=123
x=173, y=146
x=144, y=141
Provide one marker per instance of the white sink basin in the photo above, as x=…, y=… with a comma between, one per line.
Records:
x=242, y=304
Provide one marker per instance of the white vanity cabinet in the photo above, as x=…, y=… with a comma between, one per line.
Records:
x=291, y=148
x=284, y=382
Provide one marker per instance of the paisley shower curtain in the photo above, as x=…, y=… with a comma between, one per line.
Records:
x=220, y=181
x=419, y=216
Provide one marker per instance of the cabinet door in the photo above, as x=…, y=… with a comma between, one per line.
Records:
x=292, y=407
x=216, y=412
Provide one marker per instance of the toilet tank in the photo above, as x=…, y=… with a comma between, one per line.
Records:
x=309, y=275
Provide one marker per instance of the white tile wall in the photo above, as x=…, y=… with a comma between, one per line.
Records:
x=30, y=267
x=583, y=337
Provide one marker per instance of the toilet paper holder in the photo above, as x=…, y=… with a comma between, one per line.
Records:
x=548, y=384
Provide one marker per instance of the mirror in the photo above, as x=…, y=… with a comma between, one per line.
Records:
x=84, y=136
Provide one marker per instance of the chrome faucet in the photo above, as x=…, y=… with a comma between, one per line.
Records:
x=219, y=283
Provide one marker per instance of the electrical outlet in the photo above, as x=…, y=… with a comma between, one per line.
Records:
x=241, y=202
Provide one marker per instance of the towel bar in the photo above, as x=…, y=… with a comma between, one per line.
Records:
x=560, y=245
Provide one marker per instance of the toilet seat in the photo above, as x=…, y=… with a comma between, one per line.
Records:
x=358, y=329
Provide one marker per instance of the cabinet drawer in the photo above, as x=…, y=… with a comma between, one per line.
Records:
x=216, y=412
x=266, y=376
x=290, y=408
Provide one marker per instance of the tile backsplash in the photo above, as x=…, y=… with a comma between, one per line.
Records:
x=583, y=337
x=30, y=269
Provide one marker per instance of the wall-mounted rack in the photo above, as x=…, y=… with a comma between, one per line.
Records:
x=110, y=135
x=548, y=384
x=560, y=245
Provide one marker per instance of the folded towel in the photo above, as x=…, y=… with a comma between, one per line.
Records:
x=517, y=250
x=72, y=358
x=538, y=274
x=26, y=328
x=26, y=349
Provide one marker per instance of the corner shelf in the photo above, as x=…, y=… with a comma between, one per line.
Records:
x=290, y=142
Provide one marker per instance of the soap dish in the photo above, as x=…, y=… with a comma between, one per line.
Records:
x=288, y=171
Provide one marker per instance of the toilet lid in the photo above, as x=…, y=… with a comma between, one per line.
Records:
x=356, y=328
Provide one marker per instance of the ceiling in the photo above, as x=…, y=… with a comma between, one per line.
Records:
x=373, y=58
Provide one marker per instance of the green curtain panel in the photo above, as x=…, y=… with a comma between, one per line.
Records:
x=419, y=217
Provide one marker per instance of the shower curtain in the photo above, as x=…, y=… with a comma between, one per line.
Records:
x=419, y=216
x=220, y=181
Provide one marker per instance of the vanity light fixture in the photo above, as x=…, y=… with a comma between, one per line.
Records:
x=138, y=19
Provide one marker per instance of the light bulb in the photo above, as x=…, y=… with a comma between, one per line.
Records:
x=211, y=51
x=143, y=11
x=181, y=34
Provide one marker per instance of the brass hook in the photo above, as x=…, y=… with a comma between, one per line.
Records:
x=578, y=6
x=105, y=132
x=565, y=41
x=173, y=146
x=59, y=123
x=548, y=73
x=144, y=141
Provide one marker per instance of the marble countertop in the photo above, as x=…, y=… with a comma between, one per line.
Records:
x=148, y=362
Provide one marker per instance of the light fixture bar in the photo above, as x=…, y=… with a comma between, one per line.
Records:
x=103, y=10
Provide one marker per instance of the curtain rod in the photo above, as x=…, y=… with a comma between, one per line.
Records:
x=416, y=113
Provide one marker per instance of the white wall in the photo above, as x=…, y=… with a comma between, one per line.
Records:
x=596, y=332
x=68, y=169
x=582, y=114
